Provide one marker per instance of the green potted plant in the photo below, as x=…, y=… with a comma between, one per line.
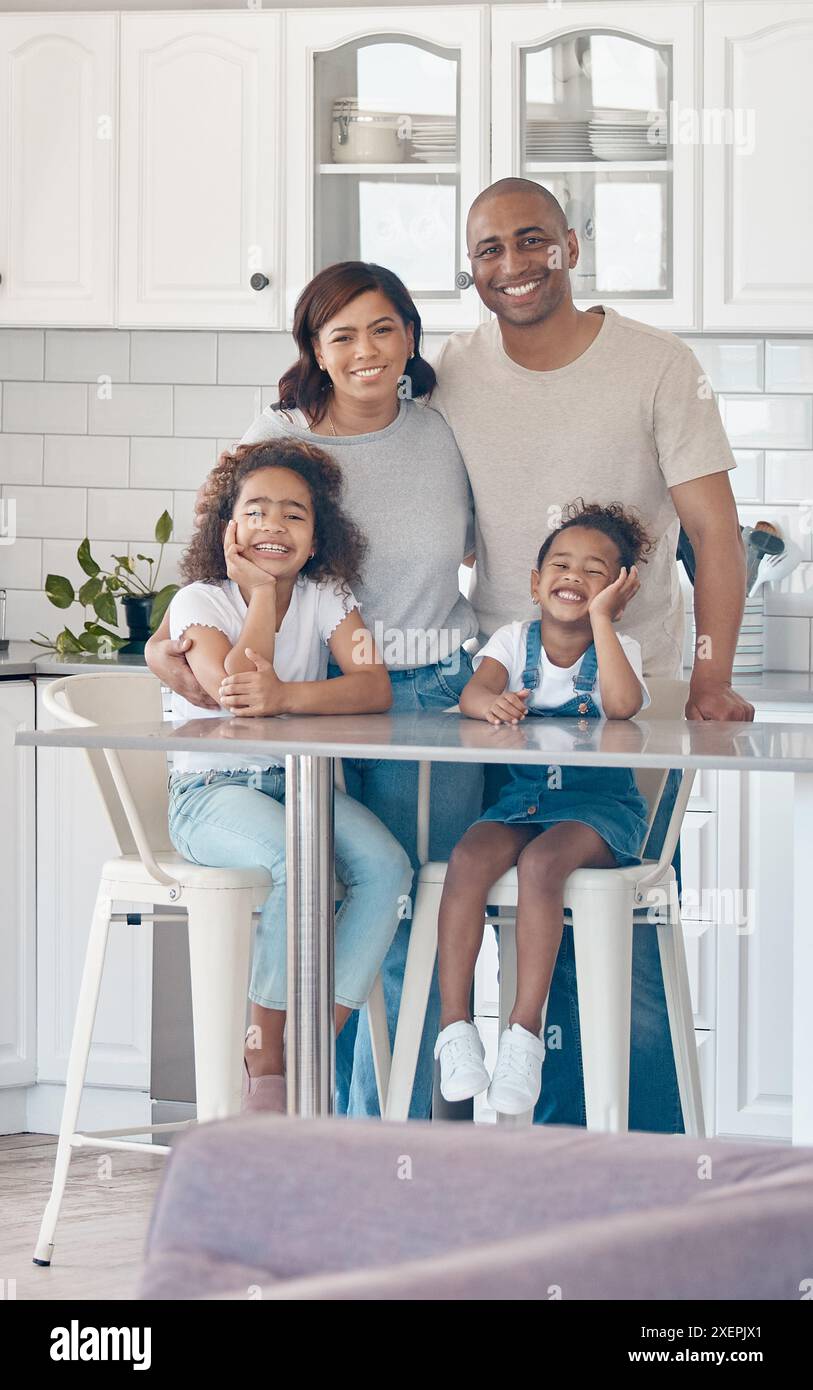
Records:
x=144, y=603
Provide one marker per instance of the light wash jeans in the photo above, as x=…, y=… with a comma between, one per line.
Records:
x=390, y=790
x=235, y=820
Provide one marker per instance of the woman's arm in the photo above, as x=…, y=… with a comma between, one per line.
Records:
x=485, y=695
x=363, y=688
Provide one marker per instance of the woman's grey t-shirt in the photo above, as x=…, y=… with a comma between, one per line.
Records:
x=407, y=490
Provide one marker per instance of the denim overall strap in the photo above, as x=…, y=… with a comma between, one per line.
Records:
x=585, y=677
x=533, y=651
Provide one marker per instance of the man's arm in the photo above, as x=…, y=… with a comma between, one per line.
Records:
x=708, y=515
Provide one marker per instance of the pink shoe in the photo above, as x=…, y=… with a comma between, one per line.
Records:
x=263, y=1092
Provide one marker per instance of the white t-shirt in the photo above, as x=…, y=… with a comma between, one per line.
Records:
x=507, y=645
x=300, y=649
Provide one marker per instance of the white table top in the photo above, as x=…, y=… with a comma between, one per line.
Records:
x=780, y=747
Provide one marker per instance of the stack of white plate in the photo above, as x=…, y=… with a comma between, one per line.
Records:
x=628, y=135
x=434, y=138
x=557, y=140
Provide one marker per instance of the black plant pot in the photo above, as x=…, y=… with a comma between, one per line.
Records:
x=137, y=612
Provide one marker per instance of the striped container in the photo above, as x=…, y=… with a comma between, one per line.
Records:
x=749, y=655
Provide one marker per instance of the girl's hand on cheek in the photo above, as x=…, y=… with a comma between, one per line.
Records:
x=239, y=567
x=611, y=602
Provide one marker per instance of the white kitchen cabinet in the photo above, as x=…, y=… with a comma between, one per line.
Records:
x=200, y=243
x=588, y=100
x=73, y=840
x=754, y=955
x=58, y=143
x=758, y=193
x=17, y=875
x=387, y=146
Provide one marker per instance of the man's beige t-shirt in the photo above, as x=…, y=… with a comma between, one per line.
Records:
x=628, y=419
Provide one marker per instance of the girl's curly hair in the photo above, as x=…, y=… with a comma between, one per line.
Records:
x=613, y=520
x=339, y=544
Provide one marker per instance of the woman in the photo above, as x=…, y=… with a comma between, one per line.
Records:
x=360, y=384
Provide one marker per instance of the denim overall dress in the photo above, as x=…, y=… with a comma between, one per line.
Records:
x=607, y=798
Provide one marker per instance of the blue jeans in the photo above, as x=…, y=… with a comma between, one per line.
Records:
x=390, y=791
x=654, y=1096
x=236, y=820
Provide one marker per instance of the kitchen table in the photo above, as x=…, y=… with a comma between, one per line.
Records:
x=308, y=745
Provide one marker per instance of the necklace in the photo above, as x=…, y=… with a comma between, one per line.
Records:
x=330, y=422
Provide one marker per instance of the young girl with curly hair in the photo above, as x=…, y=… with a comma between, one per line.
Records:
x=568, y=662
x=268, y=589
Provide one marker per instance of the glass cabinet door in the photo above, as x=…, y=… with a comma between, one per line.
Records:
x=596, y=119
x=391, y=163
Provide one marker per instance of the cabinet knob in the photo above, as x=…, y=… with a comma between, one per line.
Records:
x=463, y=279
x=259, y=281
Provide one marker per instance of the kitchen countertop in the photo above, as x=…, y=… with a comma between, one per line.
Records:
x=25, y=659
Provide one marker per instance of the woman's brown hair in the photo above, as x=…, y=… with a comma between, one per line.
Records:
x=305, y=385
x=338, y=543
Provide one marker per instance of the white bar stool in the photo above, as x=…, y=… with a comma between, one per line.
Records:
x=603, y=905
x=219, y=906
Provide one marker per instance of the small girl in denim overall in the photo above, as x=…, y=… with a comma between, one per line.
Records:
x=269, y=571
x=569, y=663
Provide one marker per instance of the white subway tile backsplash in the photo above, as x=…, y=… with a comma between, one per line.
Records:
x=130, y=409
x=183, y=512
x=73, y=460
x=787, y=644
x=130, y=513
x=20, y=564
x=21, y=458
x=29, y=612
x=729, y=365
x=747, y=477
x=48, y=511
x=48, y=407
x=789, y=364
x=181, y=463
x=170, y=560
x=59, y=557
x=251, y=358
x=792, y=596
x=179, y=399
x=86, y=356
x=215, y=410
x=174, y=357
x=21, y=354
x=759, y=422
x=789, y=475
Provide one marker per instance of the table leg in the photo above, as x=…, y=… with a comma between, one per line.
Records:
x=802, y=1119
x=310, y=1029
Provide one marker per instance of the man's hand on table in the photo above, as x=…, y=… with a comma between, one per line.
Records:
x=713, y=698
x=167, y=661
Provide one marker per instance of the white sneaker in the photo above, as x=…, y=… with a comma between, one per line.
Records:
x=461, y=1053
x=517, y=1079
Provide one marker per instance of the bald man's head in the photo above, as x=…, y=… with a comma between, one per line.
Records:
x=504, y=188
x=521, y=251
